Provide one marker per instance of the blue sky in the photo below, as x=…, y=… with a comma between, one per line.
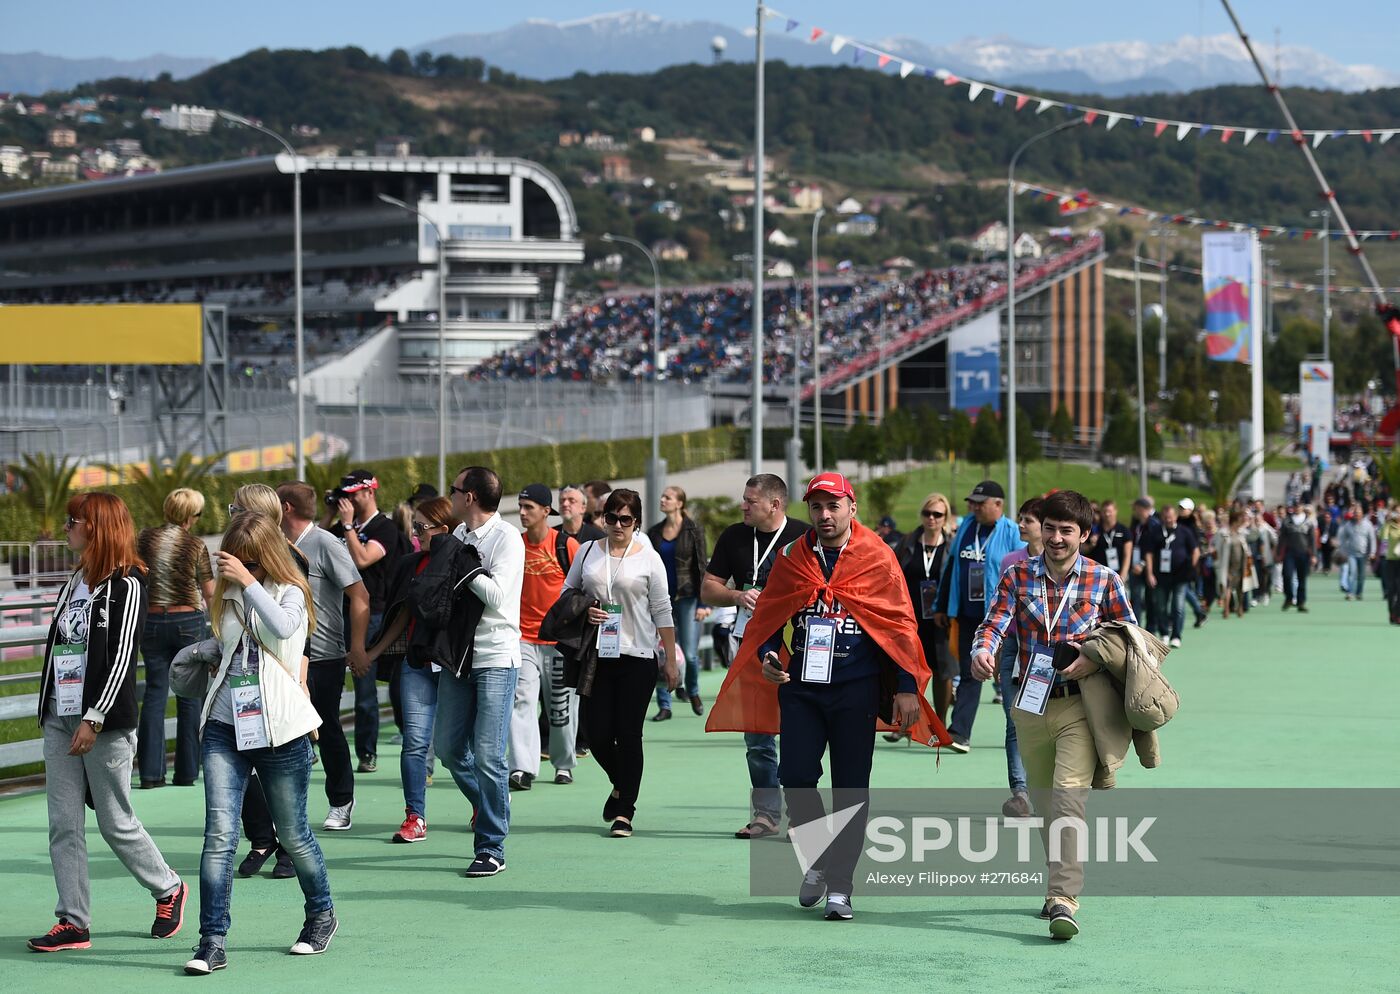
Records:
x=1351, y=31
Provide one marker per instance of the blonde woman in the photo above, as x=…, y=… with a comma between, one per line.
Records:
x=257, y=718
x=181, y=582
x=921, y=556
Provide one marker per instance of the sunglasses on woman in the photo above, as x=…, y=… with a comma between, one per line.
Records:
x=419, y=527
x=71, y=522
x=251, y=565
x=933, y=514
x=625, y=520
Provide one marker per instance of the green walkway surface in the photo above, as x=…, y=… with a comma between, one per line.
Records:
x=1276, y=699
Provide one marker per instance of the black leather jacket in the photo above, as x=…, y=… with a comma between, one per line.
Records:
x=691, y=557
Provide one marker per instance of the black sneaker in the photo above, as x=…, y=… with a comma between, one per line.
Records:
x=367, y=765
x=621, y=829
x=1062, y=923
x=838, y=908
x=285, y=868
x=813, y=888
x=253, y=862
x=315, y=935
x=485, y=865
x=610, y=806
x=960, y=745
x=64, y=935
x=520, y=780
x=1045, y=911
x=170, y=913
x=1201, y=619
x=563, y=776
x=208, y=957
x=663, y=715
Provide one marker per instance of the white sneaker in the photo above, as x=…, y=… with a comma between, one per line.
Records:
x=338, y=817
x=1175, y=643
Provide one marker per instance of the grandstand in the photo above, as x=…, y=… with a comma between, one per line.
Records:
x=222, y=234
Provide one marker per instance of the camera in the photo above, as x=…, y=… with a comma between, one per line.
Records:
x=334, y=497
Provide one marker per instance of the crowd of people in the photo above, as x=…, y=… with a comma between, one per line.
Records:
x=504, y=647
x=706, y=332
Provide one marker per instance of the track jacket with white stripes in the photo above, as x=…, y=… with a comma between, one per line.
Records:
x=117, y=616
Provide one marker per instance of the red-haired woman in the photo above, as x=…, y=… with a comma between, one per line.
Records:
x=88, y=711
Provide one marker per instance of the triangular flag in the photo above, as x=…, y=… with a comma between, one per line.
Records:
x=1319, y=137
x=905, y=68
x=1227, y=134
x=1183, y=129
x=1021, y=99
x=883, y=60
x=1112, y=120
x=1339, y=133
x=1090, y=116
x=951, y=80
x=1367, y=136
x=791, y=24
x=974, y=90
x=1272, y=136
x=856, y=54
x=1307, y=234
x=1206, y=128
x=837, y=43
x=1138, y=121
x=816, y=33
x=1386, y=136
x=1044, y=106
x=1298, y=137
x=998, y=97
x=1157, y=131
x=1249, y=134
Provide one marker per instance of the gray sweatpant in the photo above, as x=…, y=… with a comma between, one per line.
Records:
x=106, y=772
x=541, y=676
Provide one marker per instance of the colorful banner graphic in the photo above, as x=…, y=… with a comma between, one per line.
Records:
x=974, y=365
x=1316, y=406
x=1227, y=262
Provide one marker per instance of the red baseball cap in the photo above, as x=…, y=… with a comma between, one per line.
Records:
x=830, y=483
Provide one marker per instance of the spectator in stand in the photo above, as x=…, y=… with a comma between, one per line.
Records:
x=180, y=581
x=681, y=545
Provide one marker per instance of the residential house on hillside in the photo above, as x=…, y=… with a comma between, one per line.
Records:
x=668, y=209
x=806, y=198
x=188, y=118
x=862, y=226
x=600, y=142
x=780, y=240
x=617, y=169
x=849, y=206
x=990, y=239
x=12, y=161
x=62, y=138
x=394, y=147
x=669, y=251
x=646, y=135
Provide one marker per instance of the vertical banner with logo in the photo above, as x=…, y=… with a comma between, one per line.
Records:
x=1230, y=267
x=1316, y=406
x=974, y=365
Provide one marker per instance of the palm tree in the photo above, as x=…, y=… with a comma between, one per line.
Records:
x=1226, y=468
x=46, y=482
x=156, y=482
x=324, y=476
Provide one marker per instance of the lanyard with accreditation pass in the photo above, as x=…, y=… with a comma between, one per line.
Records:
x=610, y=631
x=741, y=619
x=1040, y=672
x=819, y=649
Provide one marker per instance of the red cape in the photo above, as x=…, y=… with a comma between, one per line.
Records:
x=870, y=586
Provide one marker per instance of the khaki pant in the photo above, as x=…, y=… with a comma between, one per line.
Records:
x=1057, y=749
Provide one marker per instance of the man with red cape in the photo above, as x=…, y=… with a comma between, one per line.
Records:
x=856, y=667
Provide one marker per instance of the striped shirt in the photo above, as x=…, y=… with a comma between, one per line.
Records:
x=1027, y=597
x=178, y=565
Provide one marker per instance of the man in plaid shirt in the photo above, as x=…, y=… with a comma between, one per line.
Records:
x=1057, y=597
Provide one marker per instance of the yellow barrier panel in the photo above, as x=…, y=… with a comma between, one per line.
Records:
x=68, y=334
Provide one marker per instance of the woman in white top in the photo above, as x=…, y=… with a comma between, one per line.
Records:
x=633, y=610
x=257, y=717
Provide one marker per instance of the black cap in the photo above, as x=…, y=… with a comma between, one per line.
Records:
x=986, y=489
x=538, y=493
x=358, y=479
x=887, y=522
x=424, y=491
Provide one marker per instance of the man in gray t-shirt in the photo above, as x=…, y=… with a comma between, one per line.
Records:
x=335, y=584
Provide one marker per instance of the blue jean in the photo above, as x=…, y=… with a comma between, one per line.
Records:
x=473, y=728
x=285, y=773
x=165, y=635
x=762, y=754
x=1170, y=615
x=1296, y=566
x=367, y=700
x=969, y=691
x=1015, y=769
x=1357, y=574
x=688, y=638
x=420, y=697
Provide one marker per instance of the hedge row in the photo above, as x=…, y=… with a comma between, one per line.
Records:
x=555, y=465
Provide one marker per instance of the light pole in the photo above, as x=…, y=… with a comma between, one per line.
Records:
x=442, y=334
x=816, y=346
x=1141, y=397
x=1162, y=235
x=244, y=122
x=756, y=421
x=1011, y=300
x=794, y=446
x=1326, y=275
x=656, y=469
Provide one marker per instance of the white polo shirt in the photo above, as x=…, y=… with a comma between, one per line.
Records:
x=502, y=551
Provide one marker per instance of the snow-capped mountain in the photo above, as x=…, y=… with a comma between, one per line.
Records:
x=635, y=41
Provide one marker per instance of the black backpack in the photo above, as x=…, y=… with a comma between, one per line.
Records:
x=561, y=550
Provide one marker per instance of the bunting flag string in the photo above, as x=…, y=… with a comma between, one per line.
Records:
x=1082, y=200
x=976, y=87
x=1293, y=284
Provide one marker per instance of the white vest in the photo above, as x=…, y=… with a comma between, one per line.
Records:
x=286, y=708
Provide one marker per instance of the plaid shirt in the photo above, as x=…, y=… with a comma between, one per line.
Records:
x=1021, y=600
